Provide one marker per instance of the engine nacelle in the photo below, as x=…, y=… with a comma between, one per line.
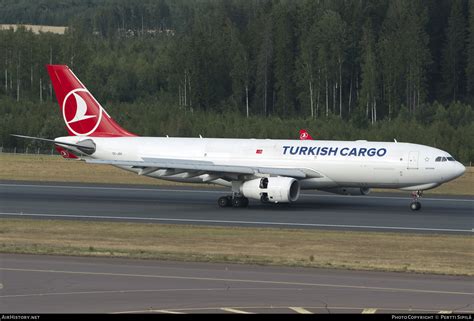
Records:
x=272, y=189
x=348, y=190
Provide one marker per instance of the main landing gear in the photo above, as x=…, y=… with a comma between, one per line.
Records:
x=415, y=205
x=233, y=200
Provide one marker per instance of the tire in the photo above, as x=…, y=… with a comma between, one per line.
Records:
x=245, y=202
x=415, y=206
x=418, y=206
x=223, y=201
x=237, y=202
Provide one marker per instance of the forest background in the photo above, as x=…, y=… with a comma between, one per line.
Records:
x=345, y=70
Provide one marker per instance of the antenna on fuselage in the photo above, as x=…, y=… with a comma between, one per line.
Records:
x=395, y=140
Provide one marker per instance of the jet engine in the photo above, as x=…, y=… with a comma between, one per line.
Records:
x=272, y=189
x=348, y=190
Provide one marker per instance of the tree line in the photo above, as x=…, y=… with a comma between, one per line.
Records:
x=359, y=66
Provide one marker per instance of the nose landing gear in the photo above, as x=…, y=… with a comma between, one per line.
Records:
x=415, y=205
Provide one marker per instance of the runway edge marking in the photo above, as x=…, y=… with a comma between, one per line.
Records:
x=300, y=310
x=236, y=311
x=150, y=311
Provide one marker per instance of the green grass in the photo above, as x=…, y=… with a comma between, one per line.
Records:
x=49, y=168
x=406, y=252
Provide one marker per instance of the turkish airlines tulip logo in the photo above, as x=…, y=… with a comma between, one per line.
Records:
x=81, y=112
x=304, y=135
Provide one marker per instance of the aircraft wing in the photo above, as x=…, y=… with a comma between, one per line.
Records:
x=208, y=167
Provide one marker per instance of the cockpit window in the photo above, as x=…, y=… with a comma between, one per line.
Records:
x=443, y=159
x=438, y=159
x=451, y=159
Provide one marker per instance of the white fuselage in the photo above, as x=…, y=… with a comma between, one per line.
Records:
x=338, y=163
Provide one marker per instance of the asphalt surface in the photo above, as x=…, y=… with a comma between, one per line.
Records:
x=45, y=284
x=182, y=205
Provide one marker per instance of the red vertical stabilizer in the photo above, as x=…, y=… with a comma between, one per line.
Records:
x=82, y=113
x=304, y=135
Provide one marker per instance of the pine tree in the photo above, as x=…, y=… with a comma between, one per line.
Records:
x=264, y=66
x=453, y=53
x=306, y=74
x=331, y=56
x=404, y=55
x=470, y=52
x=240, y=72
x=368, y=94
x=284, y=59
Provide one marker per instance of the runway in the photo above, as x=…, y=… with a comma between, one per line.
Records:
x=42, y=284
x=183, y=205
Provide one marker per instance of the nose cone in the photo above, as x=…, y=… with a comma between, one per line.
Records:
x=458, y=169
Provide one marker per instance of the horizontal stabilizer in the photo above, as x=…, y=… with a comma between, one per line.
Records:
x=86, y=149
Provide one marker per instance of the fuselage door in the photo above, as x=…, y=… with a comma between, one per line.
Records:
x=413, y=160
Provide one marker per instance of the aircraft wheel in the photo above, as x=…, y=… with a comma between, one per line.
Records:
x=415, y=206
x=237, y=201
x=418, y=205
x=245, y=202
x=224, y=201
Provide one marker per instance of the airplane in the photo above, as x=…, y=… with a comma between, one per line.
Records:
x=304, y=135
x=65, y=153
x=272, y=171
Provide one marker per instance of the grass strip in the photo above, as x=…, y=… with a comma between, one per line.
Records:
x=53, y=168
x=422, y=253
